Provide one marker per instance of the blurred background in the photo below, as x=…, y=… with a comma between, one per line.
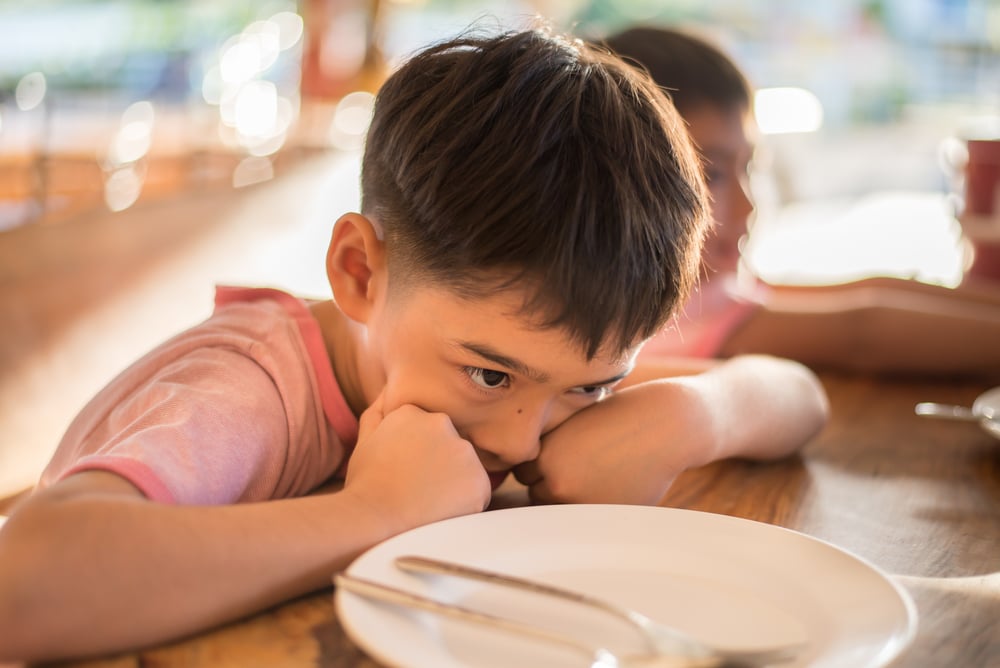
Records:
x=107, y=103
x=152, y=148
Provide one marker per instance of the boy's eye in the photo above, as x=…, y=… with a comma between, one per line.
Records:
x=714, y=176
x=487, y=378
x=593, y=391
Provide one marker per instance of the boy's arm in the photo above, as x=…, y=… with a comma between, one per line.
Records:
x=667, y=366
x=630, y=447
x=89, y=566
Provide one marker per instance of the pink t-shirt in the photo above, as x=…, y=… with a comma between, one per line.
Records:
x=242, y=407
x=706, y=322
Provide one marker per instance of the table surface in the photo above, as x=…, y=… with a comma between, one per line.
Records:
x=917, y=497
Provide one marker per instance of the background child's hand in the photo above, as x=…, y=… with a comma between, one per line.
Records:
x=411, y=467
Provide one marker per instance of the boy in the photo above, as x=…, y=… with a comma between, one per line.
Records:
x=880, y=324
x=532, y=212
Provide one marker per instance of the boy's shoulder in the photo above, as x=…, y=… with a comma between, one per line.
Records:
x=255, y=373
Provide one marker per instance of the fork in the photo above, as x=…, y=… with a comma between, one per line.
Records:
x=659, y=638
x=598, y=657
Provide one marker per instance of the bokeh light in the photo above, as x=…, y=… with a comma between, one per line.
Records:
x=253, y=113
x=123, y=187
x=351, y=120
x=134, y=136
x=30, y=91
x=786, y=109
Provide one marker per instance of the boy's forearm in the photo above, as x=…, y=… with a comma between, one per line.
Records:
x=630, y=447
x=107, y=589
x=667, y=366
x=92, y=547
x=755, y=406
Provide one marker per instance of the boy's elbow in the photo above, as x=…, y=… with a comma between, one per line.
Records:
x=809, y=405
x=15, y=638
x=27, y=608
x=788, y=394
x=16, y=605
x=813, y=394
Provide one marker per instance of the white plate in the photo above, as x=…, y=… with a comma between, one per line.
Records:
x=726, y=580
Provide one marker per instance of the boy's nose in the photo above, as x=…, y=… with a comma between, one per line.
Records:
x=734, y=218
x=516, y=438
x=744, y=202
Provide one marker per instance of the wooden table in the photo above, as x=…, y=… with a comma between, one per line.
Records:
x=919, y=498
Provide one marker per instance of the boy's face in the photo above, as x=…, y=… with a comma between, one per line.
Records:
x=724, y=140
x=503, y=383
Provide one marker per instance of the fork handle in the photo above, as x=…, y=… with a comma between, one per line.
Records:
x=415, y=564
x=680, y=643
x=599, y=657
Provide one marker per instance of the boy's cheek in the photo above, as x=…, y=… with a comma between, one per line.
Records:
x=397, y=394
x=391, y=399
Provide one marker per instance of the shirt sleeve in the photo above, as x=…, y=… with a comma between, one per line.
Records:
x=208, y=428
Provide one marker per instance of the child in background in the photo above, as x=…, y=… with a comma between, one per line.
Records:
x=532, y=212
x=881, y=325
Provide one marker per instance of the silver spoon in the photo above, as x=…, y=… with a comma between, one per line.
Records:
x=985, y=410
x=949, y=412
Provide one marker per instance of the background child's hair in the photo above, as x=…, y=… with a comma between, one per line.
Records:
x=538, y=161
x=691, y=69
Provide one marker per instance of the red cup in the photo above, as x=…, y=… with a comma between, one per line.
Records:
x=972, y=161
x=985, y=260
x=982, y=177
x=982, y=234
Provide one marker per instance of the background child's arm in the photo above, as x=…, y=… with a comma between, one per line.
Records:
x=89, y=566
x=878, y=325
x=630, y=447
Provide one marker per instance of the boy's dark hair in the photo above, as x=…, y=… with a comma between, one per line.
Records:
x=691, y=70
x=536, y=161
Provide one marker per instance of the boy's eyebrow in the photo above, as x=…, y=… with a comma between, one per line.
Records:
x=486, y=352
x=715, y=153
x=516, y=365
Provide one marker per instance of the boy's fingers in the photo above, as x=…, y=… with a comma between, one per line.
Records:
x=528, y=473
x=540, y=494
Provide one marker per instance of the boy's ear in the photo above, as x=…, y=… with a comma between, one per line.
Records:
x=355, y=265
